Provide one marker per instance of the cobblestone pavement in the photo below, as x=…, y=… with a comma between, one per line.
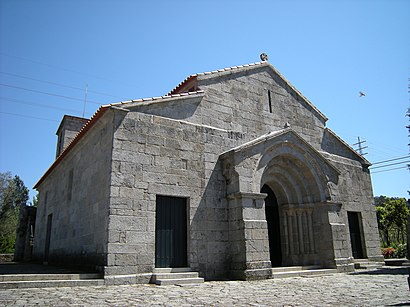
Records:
x=372, y=288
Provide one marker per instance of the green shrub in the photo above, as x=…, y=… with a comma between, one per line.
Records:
x=401, y=251
x=388, y=252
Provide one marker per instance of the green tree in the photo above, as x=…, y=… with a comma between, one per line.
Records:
x=34, y=201
x=392, y=214
x=13, y=194
x=5, y=179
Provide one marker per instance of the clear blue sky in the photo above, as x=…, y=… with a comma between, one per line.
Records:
x=329, y=50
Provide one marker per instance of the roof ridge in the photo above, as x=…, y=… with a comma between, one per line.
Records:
x=155, y=98
x=229, y=68
x=190, y=77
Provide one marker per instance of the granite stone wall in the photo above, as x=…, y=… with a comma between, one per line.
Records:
x=216, y=147
x=153, y=156
x=173, y=149
x=76, y=195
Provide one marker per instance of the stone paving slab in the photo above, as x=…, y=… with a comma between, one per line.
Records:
x=387, y=286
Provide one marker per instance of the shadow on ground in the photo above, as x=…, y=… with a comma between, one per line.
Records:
x=385, y=271
x=12, y=268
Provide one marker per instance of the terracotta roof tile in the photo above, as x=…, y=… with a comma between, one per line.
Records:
x=212, y=72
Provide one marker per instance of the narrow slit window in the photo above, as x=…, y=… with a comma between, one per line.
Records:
x=70, y=185
x=270, y=102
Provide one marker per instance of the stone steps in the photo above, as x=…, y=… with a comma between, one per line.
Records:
x=21, y=281
x=295, y=268
x=366, y=265
x=175, y=276
x=50, y=283
x=300, y=271
x=35, y=277
x=179, y=281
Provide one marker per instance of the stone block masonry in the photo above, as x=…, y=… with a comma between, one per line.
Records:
x=180, y=165
x=114, y=198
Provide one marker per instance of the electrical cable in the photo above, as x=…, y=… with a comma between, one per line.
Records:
x=59, y=84
x=391, y=164
x=392, y=169
x=65, y=69
x=47, y=93
x=36, y=104
x=27, y=116
x=394, y=159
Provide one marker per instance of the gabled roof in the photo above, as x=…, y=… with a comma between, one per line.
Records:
x=186, y=88
x=275, y=135
x=191, y=82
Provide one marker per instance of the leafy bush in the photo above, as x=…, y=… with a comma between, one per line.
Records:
x=395, y=251
x=401, y=251
x=388, y=252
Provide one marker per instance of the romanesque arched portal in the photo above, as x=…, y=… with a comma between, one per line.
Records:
x=279, y=202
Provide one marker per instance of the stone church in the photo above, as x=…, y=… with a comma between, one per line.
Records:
x=232, y=173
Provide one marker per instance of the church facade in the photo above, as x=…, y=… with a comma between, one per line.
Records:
x=230, y=174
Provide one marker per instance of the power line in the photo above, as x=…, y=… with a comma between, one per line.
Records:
x=391, y=164
x=27, y=116
x=386, y=150
x=36, y=104
x=47, y=93
x=65, y=69
x=394, y=159
x=391, y=169
x=58, y=84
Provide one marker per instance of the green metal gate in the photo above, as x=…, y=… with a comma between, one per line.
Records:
x=171, y=232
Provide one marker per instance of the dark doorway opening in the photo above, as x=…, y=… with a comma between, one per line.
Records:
x=171, y=232
x=48, y=237
x=355, y=234
x=272, y=217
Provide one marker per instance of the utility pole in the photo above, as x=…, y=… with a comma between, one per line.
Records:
x=360, y=148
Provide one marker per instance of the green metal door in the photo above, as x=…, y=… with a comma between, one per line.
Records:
x=171, y=232
x=355, y=234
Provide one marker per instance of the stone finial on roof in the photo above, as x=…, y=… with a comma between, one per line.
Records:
x=264, y=57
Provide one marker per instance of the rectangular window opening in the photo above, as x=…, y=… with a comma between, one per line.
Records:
x=270, y=102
